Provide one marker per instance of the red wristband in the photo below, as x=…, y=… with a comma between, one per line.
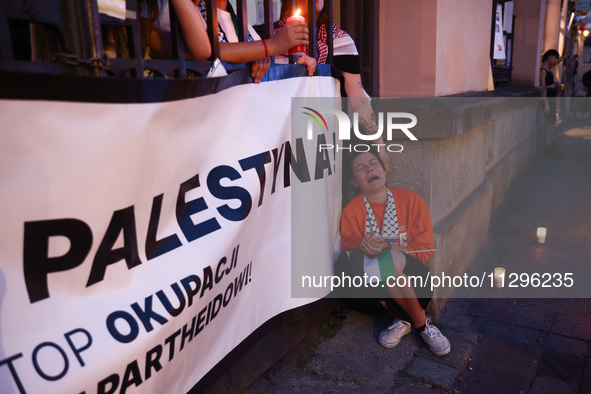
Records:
x=266, y=49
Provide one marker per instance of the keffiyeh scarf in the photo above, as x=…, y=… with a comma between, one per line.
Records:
x=390, y=226
x=321, y=45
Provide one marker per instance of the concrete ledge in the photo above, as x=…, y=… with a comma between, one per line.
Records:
x=461, y=235
x=448, y=117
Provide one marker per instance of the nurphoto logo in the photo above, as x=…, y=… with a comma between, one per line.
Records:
x=344, y=129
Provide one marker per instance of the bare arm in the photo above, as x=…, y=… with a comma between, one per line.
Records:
x=293, y=34
x=561, y=58
x=194, y=34
x=193, y=26
x=360, y=103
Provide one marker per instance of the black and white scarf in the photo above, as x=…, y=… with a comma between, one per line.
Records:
x=390, y=226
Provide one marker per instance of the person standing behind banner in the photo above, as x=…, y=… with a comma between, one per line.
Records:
x=552, y=89
x=346, y=59
x=256, y=50
x=155, y=40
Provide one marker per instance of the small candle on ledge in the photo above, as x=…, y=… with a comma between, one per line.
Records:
x=499, y=278
x=541, y=235
x=297, y=50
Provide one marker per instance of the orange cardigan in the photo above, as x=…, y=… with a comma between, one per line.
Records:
x=414, y=222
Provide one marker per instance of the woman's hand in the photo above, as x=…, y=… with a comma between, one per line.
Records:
x=291, y=35
x=373, y=246
x=310, y=63
x=259, y=68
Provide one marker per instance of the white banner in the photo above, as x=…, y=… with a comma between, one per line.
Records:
x=140, y=243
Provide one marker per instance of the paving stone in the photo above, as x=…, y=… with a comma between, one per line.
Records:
x=455, y=305
x=434, y=372
x=408, y=385
x=547, y=385
x=510, y=312
x=574, y=347
x=572, y=326
x=314, y=384
x=564, y=307
x=481, y=380
x=587, y=372
x=567, y=242
x=455, y=320
x=505, y=331
x=461, y=350
x=453, y=314
x=508, y=357
x=355, y=355
x=560, y=366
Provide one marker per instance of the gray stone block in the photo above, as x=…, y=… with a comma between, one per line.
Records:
x=574, y=347
x=547, y=385
x=355, y=355
x=433, y=372
x=504, y=356
x=488, y=328
x=560, y=366
x=407, y=385
x=511, y=312
x=481, y=380
x=457, y=357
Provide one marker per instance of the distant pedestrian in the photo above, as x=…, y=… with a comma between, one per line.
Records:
x=552, y=89
x=575, y=71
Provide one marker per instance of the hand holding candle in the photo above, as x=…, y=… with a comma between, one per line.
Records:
x=299, y=49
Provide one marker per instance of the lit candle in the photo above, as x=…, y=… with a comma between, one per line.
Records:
x=499, y=279
x=541, y=235
x=297, y=50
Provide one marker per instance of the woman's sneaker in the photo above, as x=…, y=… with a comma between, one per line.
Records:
x=438, y=344
x=392, y=335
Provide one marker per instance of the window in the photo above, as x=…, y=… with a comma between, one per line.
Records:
x=501, y=47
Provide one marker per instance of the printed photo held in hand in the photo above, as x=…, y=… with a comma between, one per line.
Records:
x=255, y=50
x=380, y=228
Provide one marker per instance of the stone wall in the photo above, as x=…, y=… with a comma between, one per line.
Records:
x=469, y=153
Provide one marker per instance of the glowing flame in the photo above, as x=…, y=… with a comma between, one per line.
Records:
x=297, y=13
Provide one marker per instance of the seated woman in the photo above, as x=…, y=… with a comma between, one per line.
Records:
x=256, y=50
x=400, y=216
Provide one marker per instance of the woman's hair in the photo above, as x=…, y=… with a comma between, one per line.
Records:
x=548, y=53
